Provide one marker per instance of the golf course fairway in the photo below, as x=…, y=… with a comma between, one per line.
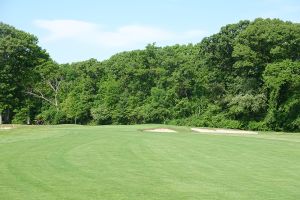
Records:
x=72, y=162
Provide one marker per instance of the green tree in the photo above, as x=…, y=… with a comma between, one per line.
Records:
x=48, y=85
x=265, y=41
x=283, y=82
x=74, y=105
x=247, y=107
x=19, y=55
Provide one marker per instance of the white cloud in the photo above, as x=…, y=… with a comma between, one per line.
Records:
x=124, y=36
x=285, y=10
x=291, y=9
x=62, y=29
x=272, y=1
x=74, y=40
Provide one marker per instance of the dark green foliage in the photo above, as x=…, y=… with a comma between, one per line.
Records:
x=246, y=76
x=20, y=116
x=19, y=54
x=283, y=81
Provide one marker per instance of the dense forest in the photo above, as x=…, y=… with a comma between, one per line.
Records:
x=245, y=76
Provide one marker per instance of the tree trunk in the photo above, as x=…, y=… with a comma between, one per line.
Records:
x=56, y=102
x=7, y=116
x=75, y=120
x=0, y=117
x=28, y=120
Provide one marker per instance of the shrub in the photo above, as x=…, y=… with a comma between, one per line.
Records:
x=20, y=116
x=257, y=126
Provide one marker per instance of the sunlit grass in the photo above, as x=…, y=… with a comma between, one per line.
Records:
x=123, y=162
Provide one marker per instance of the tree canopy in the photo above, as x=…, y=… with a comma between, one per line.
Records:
x=246, y=76
x=19, y=55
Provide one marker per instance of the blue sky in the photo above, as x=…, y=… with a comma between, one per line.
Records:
x=73, y=30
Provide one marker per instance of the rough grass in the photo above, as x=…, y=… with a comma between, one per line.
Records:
x=123, y=162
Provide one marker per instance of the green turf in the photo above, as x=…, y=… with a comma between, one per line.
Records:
x=122, y=162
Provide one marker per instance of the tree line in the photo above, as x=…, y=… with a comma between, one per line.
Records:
x=245, y=76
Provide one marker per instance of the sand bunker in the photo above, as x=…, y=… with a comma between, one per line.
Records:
x=161, y=130
x=222, y=131
x=6, y=127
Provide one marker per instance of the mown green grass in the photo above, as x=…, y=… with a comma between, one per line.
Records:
x=122, y=162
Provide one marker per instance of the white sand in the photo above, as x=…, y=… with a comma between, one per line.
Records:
x=223, y=131
x=161, y=130
x=5, y=127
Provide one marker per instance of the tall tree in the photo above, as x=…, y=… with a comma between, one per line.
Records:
x=19, y=55
x=49, y=85
x=283, y=81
